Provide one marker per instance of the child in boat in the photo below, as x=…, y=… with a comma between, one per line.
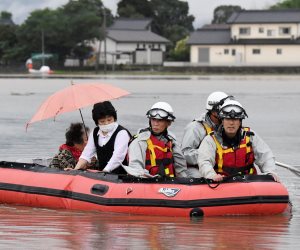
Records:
x=155, y=151
x=109, y=141
x=234, y=149
x=69, y=152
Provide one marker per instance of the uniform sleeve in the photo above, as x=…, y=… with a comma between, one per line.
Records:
x=206, y=157
x=263, y=155
x=192, y=136
x=89, y=150
x=120, y=151
x=179, y=160
x=137, y=157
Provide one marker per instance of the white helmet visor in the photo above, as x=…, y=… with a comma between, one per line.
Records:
x=232, y=112
x=160, y=114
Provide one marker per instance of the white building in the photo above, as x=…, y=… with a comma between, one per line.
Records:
x=252, y=38
x=130, y=41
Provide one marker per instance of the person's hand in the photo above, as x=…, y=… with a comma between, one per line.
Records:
x=218, y=177
x=68, y=169
x=80, y=167
x=93, y=163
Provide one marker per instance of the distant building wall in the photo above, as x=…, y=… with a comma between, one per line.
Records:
x=249, y=55
x=263, y=31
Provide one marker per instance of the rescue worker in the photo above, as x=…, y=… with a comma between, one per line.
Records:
x=233, y=148
x=109, y=141
x=155, y=151
x=196, y=130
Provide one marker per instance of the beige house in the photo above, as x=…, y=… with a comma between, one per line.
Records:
x=250, y=38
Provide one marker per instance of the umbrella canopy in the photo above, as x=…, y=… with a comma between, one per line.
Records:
x=75, y=97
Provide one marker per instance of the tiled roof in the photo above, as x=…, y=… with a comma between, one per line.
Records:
x=207, y=36
x=218, y=37
x=268, y=41
x=135, y=36
x=131, y=24
x=265, y=16
x=219, y=26
x=6, y=22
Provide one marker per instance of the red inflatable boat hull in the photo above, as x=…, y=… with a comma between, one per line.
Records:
x=39, y=186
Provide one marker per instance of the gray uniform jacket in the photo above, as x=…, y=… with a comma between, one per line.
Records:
x=193, y=135
x=264, y=158
x=137, y=156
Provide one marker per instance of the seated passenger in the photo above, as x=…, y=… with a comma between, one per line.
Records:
x=234, y=149
x=154, y=151
x=68, y=154
x=196, y=130
x=109, y=141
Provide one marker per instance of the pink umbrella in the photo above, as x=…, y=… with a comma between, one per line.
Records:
x=75, y=97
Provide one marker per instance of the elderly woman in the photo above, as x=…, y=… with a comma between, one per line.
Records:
x=69, y=153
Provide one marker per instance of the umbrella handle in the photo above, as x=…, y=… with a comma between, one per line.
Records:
x=87, y=136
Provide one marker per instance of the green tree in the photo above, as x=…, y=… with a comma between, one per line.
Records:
x=67, y=30
x=287, y=4
x=134, y=8
x=223, y=12
x=30, y=33
x=6, y=18
x=181, y=52
x=170, y=18
x=8, y=37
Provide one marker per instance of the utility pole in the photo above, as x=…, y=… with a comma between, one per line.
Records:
x=43, y=48
x=104, y=37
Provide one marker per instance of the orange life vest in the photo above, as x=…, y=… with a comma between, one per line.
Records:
x=230, y=161
x=159, y=157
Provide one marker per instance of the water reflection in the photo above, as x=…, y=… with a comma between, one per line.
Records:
x=33, y=228
x=268, y=101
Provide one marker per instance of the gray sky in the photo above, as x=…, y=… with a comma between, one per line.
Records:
x=201, y=9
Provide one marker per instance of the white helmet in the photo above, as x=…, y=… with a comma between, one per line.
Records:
x=215, y=100
x=232, y=109
x=162, y=111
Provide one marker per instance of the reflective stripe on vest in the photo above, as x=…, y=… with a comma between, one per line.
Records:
x=165, y=159
x=208, y=129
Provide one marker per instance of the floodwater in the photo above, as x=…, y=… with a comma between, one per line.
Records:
x=272, y=104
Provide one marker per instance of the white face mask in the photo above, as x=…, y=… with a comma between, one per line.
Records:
x=108, y=127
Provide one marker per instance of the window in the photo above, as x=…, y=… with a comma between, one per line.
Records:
x=226, y=51
x=270, y=32
x=284, y=30
x=256, y=51
x=233, y=52
x=261, y=30
x=244, y=31
x=278, y=51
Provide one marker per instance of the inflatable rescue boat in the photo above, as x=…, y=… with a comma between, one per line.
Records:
x=39, y=186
